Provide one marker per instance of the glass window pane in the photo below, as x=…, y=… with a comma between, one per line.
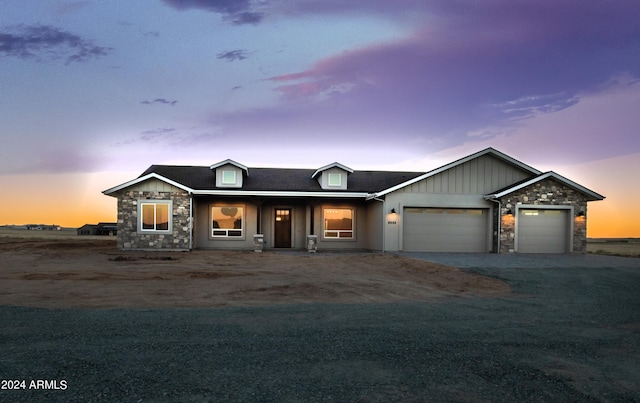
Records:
x=226, y=221
x=228, y=177
x=335, y=179
x=227, y=217
x=162, y=217
x=337, y=219
x=148, y=216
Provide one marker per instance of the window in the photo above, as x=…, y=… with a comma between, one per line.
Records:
x=335, y=179
x=226, y=221
x=155, y=216
x=229, y=177
x=338, y=223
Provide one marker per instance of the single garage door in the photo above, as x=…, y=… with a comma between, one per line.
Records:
x=543, y=231
x=445, y=230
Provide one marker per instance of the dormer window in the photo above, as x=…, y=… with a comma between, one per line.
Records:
x=228, y=177
x=333, y=176
x=229, y=174
x=334, y=179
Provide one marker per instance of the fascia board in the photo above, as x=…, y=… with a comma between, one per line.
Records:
x=332, y=165
x=144, y=178
x=546, y=175
x=278, y=193
x=459, y=162
x=230, y=162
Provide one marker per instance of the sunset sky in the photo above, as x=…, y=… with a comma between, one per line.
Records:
x=93, y=92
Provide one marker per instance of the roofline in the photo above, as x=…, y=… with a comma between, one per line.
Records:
x=235, y=192
x=332, y=165
x=286, y=193
x=231, y=162
x=594, y=196
x=461, y=161
x=152, y=175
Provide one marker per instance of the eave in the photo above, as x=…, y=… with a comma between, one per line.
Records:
x=461, y=161
x=236, y=192
x=593, y=196
x=144, y=178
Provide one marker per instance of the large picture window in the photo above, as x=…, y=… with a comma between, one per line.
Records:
x=154, y=216
x=227, y=221
x=338, y=223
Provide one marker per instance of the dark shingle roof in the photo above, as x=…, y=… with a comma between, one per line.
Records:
x=280, y=179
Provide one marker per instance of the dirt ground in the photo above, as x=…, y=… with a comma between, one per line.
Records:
x=92, y=273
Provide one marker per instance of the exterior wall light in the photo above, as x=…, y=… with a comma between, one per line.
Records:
x=580, y=213
x=509, y=212
x=393, y=211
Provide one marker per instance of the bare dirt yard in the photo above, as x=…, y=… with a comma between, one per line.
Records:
x=69, y=271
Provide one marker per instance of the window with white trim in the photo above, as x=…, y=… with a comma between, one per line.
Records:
x=338, y=223
x=334, y=179
x=227, y=221
x=229, y=177
x=154, y=216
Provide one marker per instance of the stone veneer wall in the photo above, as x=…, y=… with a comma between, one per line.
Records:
x=130, y=238
x=544, y=193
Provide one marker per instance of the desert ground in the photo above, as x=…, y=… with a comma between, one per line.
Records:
x=58, y=270
x=291, y=327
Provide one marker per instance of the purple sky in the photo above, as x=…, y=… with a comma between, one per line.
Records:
x=94, y=86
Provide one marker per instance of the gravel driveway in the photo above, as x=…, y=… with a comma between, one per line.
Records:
x=570, y=332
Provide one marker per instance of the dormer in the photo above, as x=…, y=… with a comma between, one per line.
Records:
x=229, y=174
x=333, y=176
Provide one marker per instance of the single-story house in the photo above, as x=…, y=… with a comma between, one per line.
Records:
x=101, y=228
x=485, y=202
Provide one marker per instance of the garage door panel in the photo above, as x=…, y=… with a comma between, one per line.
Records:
x=543, y=231
x=445, y=230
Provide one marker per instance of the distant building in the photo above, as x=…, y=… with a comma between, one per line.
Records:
x=102, y=228
x=43, y=227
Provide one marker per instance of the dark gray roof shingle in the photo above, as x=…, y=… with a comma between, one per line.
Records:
x=280, y=179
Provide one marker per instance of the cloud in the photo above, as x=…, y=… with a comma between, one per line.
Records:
x=466, y=67
x=239, y=12
x=159, y=101
x=42, y=42
x=233, y=55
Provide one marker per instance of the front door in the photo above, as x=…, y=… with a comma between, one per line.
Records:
x=282, y=228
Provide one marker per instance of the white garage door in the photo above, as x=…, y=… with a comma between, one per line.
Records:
x=543, y=231
x=445, y=230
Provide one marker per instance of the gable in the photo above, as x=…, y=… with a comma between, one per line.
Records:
x=153, y=185
x=229, y=176
x=480, y=175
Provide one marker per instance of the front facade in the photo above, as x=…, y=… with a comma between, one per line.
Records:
x=485, y=202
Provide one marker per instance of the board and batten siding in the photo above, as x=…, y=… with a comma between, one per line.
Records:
x=481, y=175
x=154, y=185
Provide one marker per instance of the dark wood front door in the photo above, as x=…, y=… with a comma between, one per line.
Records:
x=282, y=228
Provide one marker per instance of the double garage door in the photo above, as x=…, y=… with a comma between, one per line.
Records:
x=445, y=230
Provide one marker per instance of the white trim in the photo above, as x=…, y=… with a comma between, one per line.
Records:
x=332, y=165
x=243, y=222
x=144, y=178
x=546, y=175
x=461, y=161
x=334, y=175
x=154, y=203
x=230, y=162
x=231, y=182
x=227, y=192
x=279, y=193
x=353, y=223
x=558, y=207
